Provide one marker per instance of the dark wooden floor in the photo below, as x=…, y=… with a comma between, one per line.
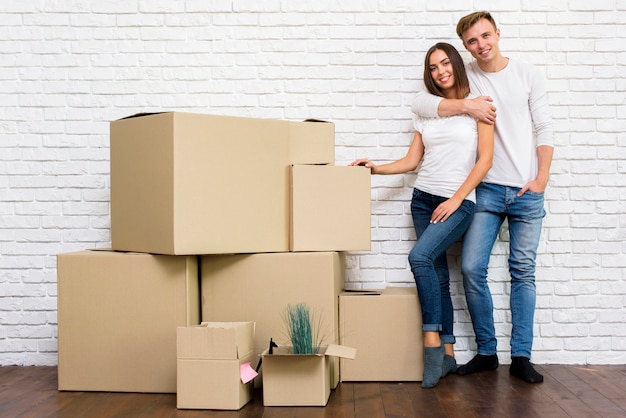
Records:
x=568, y=391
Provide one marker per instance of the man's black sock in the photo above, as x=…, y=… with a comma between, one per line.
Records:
x=522, y=368
x=479, y=363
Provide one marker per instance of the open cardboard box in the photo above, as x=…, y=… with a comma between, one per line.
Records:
x=210, y=358
x=299, y=379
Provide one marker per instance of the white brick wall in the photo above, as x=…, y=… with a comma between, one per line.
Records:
x=68, y=68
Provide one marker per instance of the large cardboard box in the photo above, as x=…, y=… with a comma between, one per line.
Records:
x=386, y=330
x=184, y=183
x=258, y=287
x=210, y=357
x=300, y=379
x=330, y=208
x=117, y=319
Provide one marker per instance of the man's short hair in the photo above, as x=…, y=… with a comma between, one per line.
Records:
x=470, y=20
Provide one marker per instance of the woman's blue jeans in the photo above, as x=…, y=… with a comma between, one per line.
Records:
x=494, y=203
x=428, y=260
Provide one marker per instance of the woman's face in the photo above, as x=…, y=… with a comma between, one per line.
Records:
x=441, y=72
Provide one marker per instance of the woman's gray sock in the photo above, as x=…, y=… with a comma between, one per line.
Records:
x=448, y=366
x=433, y=361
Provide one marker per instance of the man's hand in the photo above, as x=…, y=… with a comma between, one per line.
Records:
x=481, y=108
x=535, y=186
x=539, y=184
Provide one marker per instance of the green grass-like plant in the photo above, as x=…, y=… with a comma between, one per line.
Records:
x=303, y=328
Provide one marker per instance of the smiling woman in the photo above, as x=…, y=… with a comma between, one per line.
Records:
x=442, y=59
x=455, y=153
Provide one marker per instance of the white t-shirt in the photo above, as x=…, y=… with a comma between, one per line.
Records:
x=523, y=119
x=450, y=149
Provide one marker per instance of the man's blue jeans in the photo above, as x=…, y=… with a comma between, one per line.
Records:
x=494, y=203
x=428, y=260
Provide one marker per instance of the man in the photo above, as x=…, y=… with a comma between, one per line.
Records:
x=512, y=190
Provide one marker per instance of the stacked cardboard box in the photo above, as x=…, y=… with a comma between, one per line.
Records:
x=185, y=183
x=253, y=210
x=117, y=319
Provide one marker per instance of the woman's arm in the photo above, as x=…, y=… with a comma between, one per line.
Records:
x=405, y=164
x=482, y=166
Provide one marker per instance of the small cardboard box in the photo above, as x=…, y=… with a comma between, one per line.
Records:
x=386, y=329
x=299, y=379
x=258, y=287
x=184, y=183
x=330, y=208
x=117, y=319
x=210, y=357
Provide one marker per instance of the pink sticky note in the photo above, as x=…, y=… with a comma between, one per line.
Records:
x=246, y=372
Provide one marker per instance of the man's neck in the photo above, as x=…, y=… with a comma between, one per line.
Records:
x=497, y=64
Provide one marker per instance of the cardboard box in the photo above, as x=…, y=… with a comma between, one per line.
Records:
x=330, y=208
x=312, y=142
x=386, y=330
x=258, y=287
x=117, y=319
x=184, y=183
x=299, y=379
x=210, y=357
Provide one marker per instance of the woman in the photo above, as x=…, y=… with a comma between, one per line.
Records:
x=455, y=154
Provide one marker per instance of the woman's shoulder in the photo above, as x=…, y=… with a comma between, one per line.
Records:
x=422, y=122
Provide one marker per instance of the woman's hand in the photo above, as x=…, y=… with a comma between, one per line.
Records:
x=445, y=209
x=365, y=163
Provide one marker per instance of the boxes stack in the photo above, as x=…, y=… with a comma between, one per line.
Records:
x=185, y=184
x=237, y=218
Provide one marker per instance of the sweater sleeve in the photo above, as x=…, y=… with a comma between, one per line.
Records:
x=426, y=105
x=539, y=110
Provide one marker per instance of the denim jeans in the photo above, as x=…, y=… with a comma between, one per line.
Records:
x=428, y=260
x=494, y=203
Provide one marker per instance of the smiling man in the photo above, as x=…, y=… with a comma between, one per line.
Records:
x=513, y=189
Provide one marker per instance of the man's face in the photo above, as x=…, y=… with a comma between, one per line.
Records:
x=481, y=40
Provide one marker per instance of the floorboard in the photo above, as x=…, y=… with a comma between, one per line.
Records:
x=567, y=391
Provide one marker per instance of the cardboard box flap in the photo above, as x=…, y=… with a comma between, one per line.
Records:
x=243, y=333
x=216, y=340
x=142, y=114
x=341, y=351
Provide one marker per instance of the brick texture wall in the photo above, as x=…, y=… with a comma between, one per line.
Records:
x=68, y=68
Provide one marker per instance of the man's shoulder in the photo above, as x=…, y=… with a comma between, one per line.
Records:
x=520, y=63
